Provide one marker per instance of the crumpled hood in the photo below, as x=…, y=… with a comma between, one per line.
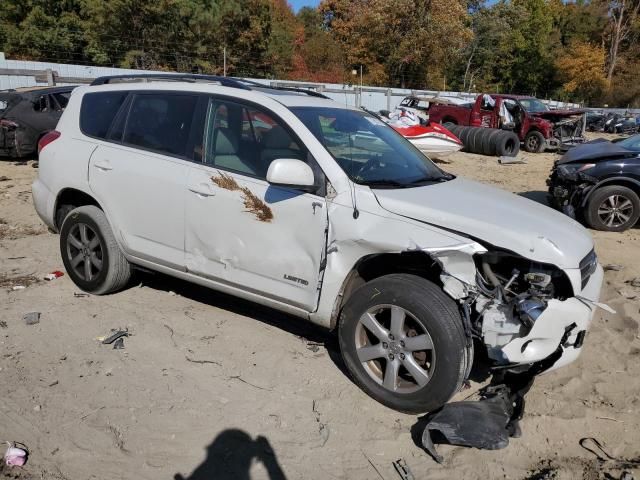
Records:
x=554, y=114
x=500, y=218
x=595, y=150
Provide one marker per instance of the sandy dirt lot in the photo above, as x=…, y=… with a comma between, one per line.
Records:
x=211, y=387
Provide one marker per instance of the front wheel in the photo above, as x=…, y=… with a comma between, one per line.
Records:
x=534, y=142
x=403, y=342
x=613, y=208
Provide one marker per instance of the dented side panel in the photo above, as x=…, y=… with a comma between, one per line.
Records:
x=242, y=231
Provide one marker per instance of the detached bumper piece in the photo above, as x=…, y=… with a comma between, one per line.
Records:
x=487, y=423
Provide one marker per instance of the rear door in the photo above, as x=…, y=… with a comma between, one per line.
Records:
x=138, y=172
x=242, y=231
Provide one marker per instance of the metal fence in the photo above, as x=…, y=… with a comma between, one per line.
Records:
x=19, y=73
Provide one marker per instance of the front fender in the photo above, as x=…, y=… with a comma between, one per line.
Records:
x=617, y=180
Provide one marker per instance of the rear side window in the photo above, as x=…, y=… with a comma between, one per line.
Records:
x=98, y=111
x=160, y=122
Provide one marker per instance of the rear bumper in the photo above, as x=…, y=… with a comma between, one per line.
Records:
x=17, y=142
x=44, y=203
x=563, y=323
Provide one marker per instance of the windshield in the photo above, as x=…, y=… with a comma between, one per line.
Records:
x=367, y=149
x=632, y=143
x=533, y=105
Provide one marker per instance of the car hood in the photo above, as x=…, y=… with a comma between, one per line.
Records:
x=595, y=150
x=555, y=114
x=492, y=215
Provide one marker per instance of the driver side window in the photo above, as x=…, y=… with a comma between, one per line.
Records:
x=245, y=139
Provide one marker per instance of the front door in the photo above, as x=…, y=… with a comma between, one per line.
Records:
x=241, y=230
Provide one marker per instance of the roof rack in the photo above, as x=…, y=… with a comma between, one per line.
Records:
x=224, y=81
x=172, y=77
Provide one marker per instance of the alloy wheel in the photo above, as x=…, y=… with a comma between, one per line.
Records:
x=615, y=210
x=85, y=251
x=395, y=349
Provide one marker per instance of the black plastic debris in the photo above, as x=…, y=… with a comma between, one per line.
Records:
x=118, y=344
x=115, y=336
x=31, y=318
x=487, y=423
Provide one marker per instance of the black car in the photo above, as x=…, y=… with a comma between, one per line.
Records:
x=26, y=115
x=599, y=182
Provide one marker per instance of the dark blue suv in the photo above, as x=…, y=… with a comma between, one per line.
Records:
x=599, y=182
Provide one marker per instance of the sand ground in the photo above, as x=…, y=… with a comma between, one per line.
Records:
x=211, y=387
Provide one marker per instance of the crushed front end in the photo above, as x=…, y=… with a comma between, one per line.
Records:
x=521, y=310
x=569, y=185
x=526, y=311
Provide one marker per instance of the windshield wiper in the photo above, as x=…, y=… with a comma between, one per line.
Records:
x=386, y=183
x=442, y=178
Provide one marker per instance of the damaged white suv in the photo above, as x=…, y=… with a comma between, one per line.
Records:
x=297, y=202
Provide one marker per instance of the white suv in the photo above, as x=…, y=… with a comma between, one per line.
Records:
x=322, y=211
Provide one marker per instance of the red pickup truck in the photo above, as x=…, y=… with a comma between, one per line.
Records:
x=537, y=126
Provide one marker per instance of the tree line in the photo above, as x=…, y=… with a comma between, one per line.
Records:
x=584, y=51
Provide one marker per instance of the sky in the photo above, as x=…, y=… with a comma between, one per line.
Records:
x=298, y=4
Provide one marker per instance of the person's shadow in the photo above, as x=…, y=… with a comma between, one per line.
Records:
x=230, y=455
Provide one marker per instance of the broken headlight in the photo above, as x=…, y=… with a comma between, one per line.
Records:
x=573, y=168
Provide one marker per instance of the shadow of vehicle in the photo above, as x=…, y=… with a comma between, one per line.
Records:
x=313, y=334
x=537, y=196
x=230, y=455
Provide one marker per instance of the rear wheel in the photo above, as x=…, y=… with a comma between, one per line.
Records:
x=90, y=252
x=402, y=340
x=613, y=208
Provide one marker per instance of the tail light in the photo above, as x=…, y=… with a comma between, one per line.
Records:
x=47, y=139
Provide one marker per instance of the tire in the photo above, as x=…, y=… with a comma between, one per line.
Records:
x=86, y=233
x=489, y=142
x=430, y=315
x=604, y=199
x=534, y=142
x=464, y=138
x=475, y=139
x=61, y=214
x=507, y=144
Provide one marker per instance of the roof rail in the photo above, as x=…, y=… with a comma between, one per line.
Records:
x=311, y=93
x=224, y=81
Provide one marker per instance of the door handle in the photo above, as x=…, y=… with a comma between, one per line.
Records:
x=202, y=189
x=104, y=165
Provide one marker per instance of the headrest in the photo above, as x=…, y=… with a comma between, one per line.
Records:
x=277, y=137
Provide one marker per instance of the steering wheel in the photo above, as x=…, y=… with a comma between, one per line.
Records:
x=369, y=166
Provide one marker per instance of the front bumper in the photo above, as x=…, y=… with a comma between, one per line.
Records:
x=563, y=323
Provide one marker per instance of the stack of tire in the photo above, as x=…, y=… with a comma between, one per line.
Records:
x=486, y=141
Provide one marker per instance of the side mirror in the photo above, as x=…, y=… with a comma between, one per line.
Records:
x=290, y=172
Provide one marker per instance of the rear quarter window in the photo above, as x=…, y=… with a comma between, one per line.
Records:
x=98, y=111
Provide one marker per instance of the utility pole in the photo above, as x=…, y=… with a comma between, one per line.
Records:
x=224, y=60
x=360, y=85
